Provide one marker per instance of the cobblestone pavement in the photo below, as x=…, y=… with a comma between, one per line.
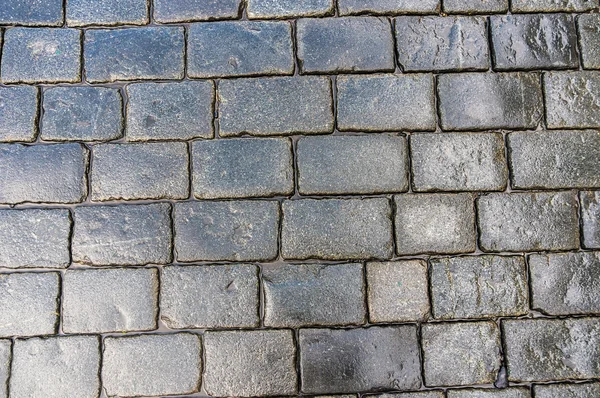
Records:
x=381, y=198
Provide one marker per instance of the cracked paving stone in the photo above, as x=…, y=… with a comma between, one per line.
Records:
x=590, y=216
x=32, y=12
x=516, y=392
x=475, y=6
x=553, y=5
x=567, y=390
x=422, y=394
x=589, y=38
x=106, y=12
x=572, y=99
x=357, y=7
x=289, y=8
x=18, y=113
x=166, y=11
x=5, y=358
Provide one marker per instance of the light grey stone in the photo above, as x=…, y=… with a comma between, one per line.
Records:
x=517, y=392
x=357, y=7
x=475, y=6
x=422, y=394
x=590, y=218
x=589, y=39
x=572, y=99
x=107, y=12
x=5, y=358
x=553, y=5
x=18, y=113
x=166, y=11
x=289, y=8
x=32, y=12
x=567, y=390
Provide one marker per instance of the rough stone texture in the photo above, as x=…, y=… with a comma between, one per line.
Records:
x=552, y=349
x=567, y=390
x=220, y=296
x=249, y=363
x=122, y=300
x=336, y=45
x=397, y=291
x=313, y=294
x=140, y=171
x=134, y=54
x=572, y=99
x=442, y=43
x=275, y=106
x=143, y=365
x=18, y=113
x=553, y=5
x=5, y=358
x=43, y=173
x=193, y=10
x=106, y=12
x=590, y=218
x=226, y=231
x=434, y=223
x=336, y=229
x=589, y=39
x=516, y=392
x=32, y=12
x=289, y=8
x=352, y=164
x=386, y=103
x=458, y=162
x=479, y=287
x=376, y=358
x=528, y=221
x=422, y=394
x=475, y=6
x=241, y=168
x=473, y=349
x=65, y=367
x=357, y=7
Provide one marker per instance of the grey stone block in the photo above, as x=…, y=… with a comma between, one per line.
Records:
x=483, y=101
x=219, y=296
x=140, y=171
x=109, y=300
x=475, y=6
x=166, y=364
x=134, y=54
x=589, y=39
x=18, y=113
x=422, y=394
x=5, y=358
x=275, y=106
x=386, y=103
x=249, y=363
x=41, y=55
x=352, y=164
x=43, y=173
x=241, y=168
x=567, y=390
x=82, y=114
x=313, y=294
x=479, y=287
x=553, y=5
x=357, y=7
x=528, y=221
x=32, y=12
x=517, y=392
x=473, y=349
x=337, y=360
x=334, y=45
x=572, y=99
x=337, y=229
x=66, y=367
x=590, y=219
x=166, y=11
x=289, y=8
x=397, y=291
x=226, y=231
x=107, y=12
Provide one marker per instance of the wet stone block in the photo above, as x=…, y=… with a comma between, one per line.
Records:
x=357, y=7
x=475, y=6
x=553, y=5
x=18, y=113
x=590, y=216
x=166, y=11
x=5, y=358
x=572, y=99
x=567, y=390
x=589, y=38
x=289, y=8
x=491, y=393
x=32, y=12
x=107, y=12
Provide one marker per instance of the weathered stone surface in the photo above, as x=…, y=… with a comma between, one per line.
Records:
x=589, y=39
x=5, y=358
x=41, y=55
x=422, y=394
x=289, y=8
x=337, y=229
x=249, y=363
x=242, y=168
x=275, y=106
x=333, y=45
x=32, y=12
x=193, y=10
x=590, y=218
x=572, y=99
x=475, y=6
x=528, y=221
x=352, y=164
x=357, y=7
x=386, y=103
x=166, y=364
x=106, y=12
x=553, y=5
x=517, y=392
x=567, y=390
x=473, y=349
x=18, y=113
x=313, y=294
x=220, y=296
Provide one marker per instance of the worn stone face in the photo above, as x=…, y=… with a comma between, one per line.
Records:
x=289, y=8
x=107, y=12
x=567, y=390
x=18, y=113
x=5, y=358
x=166, y=11
x=553, y=5
x=589, y=38
x=590, y=217
x=516, y=392
x=32, y=12
x=475, y=6
x=423, y=394
x=357, y=7
x=572, y=99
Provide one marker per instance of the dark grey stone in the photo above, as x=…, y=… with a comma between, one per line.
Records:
x=134, y=54
x=167, y=364
x=5, y=358
x=249, y=363
x=371, y=359
x=107, y=12
x=386, y=103
x=590, y=219
x=241, y=168
x=289, y=8
x=422, y=394
x=589, y=39
x=313, y=294
x=357, y=7
x=475, y=6
x=18, y=113
x=193, y=10
x=226, y=231
x=572, y=99
x=41, y=55
x=109, y=300
x=43, y=173
x=553, y=5
x=517, y=392
x=333, y=45
x=352, y=164
x=140, y=171
x=32, y=12
x=219, y=296
x=567, y=390
x=337, y=229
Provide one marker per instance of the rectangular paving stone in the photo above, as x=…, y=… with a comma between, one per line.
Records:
x=313, y=294
x=166, y=11
x=589, y=40
x=106, y=12
x=516, y=392
x=32, y=12
x=18, y=114
x=43, y=173
x=289, y=8
x=41, y=55
x=567, y=390
x=386, y=103
x=140, y=171
x=553, y=5
x=226, y=231
x=5, y=358
x=528, y=221
x=110, y=300
x=422, y=394
x=334, y=45
x=590, y=219
x=242, y=168
x=475, y=6
x=216, y=296
x=357, y=7
x=337, y=229
x=275, y=106
x=442, y=43
x=352, y=164
x=240, y=48
x=331, y=363
x=572, y=99
x=166, y=364
x=249, y=363
x=551, y=349
x=134, y=54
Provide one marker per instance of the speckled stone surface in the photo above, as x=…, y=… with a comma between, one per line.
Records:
x=32, y=12
x=572, y=99
x=516, y=392
x=567, y=390
x=5, y=359
x=590, y=216
x=553, y=5
x=475, y=6
x=166, y=11
x=18, y=114
x=107, y=12
x=357, y=7
x=289, y=8
x=590, y=40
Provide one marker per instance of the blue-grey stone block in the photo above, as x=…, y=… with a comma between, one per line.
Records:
x=31, y=12
x=18, y=113
x=166, y=11
x=289, y=8
x=357, y=7
x=107, y=12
